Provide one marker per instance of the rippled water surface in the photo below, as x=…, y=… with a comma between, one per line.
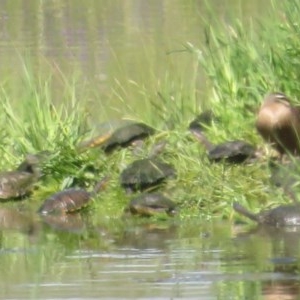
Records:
x=190, y=261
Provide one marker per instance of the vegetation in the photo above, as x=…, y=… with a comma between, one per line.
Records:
x=240, y=65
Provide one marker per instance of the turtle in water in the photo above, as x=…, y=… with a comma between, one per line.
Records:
x=145, y=173
x=70, y=200
x=120, y=137
x=232, y=151
x=278, y=122
x=18, y=183
x=283, y=215
x=149, y=204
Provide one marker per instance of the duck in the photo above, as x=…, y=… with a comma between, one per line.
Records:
x=278, y=122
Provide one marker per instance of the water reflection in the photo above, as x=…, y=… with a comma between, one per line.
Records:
x=147, y=236
x=73, y=223
x=13, y=219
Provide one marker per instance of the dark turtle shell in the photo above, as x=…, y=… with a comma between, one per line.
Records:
x=18, y=183
x=145, y=173
x=283, y=215
x=126, y=135
x=69, y=200
x=149, y=204
x=202, y=120
x=232, y=152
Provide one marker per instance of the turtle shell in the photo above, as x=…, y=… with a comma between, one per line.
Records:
x=283, y=215
x=65, y=201
x=202, y=121
x=232, y=151
x=124, y=136
x=145, y=173
x=149, y=204
x=70, y=200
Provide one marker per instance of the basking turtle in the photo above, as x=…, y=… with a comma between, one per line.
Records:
x=70, y=200
x=145, y=173
x=202, y=120
x=126, y=135
x=149, y=204
x=18, y=183
x=283, y=215
x=122, y=136
x=231, y=151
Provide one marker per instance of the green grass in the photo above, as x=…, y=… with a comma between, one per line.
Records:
x=240, y=64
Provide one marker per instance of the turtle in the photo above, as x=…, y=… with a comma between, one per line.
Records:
x=280, y=216
x=145, y=173
x=123, y=136
x=202, y=120
x=126, y=135
x=18, y=183
x=278, y=122
x=236, y=151
x=149, y=204
x=70, y=200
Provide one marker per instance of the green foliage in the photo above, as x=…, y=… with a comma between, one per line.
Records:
x=240, y=63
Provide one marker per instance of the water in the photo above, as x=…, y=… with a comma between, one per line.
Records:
x=123, y=47
x=215, y=260
x=118, y=54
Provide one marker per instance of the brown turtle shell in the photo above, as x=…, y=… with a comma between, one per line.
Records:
x=69, y=200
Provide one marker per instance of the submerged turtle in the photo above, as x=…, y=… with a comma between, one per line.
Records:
x=145, y=173
x=70, y=200
x=283, y=215
x=232, y=151
x=149, y=204
x=18, y=183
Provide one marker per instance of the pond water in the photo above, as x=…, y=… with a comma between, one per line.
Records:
x=121, y=47
x=215, y=260
x=118, y=54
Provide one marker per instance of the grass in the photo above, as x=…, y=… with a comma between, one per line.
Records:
x=241, y=64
